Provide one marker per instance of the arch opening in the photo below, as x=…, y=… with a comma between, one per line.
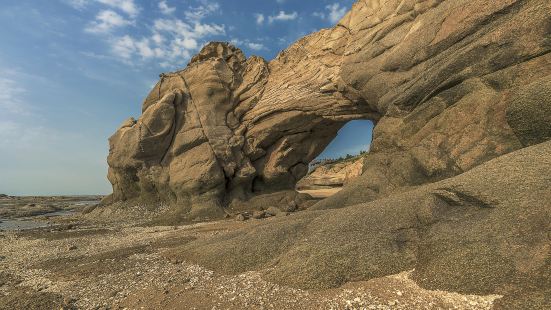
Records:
x=340, y=162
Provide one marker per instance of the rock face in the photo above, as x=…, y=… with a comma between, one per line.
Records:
x=329, y=175
x=449, y=84
x=483, y=232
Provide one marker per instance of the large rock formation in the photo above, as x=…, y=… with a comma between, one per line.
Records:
x=487, y=231
x=450, y=85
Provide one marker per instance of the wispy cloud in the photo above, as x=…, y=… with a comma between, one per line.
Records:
x=165, y=9
x=78, y=4
x=259, y=18
x=255, y=46
x=283, y=16
x=334, y=12
x=171, y=40
x=196, y=14
x=128, y=7
x=106, y=21
x=11, y=97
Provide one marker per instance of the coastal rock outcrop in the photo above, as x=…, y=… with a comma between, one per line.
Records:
x=485, y=231
x=332, y=174
x=449, y=85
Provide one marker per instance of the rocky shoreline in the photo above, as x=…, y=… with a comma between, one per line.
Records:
x=110, y=267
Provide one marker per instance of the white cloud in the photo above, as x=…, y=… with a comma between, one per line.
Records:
x=196, y=14
x=334, y=13
x=259, y=18
x=127, y=6
x=282, y=16
x=165, y=9
x=124, y=47
x=255, y=46
x=319, y=14
x=106, y=21
x=172, y=40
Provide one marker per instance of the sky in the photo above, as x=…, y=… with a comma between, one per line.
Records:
x=71, y=71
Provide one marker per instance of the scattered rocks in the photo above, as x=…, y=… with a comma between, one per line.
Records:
x=117, y=274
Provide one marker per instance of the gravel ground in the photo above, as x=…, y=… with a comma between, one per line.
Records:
x=108, y=267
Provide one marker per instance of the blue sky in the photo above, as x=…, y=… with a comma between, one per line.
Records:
x=72, y=70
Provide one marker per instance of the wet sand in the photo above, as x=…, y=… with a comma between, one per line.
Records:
x=28, y=212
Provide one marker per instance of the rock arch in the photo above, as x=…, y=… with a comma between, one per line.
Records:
x=436, y=77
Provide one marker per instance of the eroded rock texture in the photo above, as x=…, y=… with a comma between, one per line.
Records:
x=450, y=85
x=332, y=174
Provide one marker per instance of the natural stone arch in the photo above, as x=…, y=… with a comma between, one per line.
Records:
x=222, y=131
x=436, y=77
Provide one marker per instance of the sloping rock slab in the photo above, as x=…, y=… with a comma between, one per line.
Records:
x=486, y=231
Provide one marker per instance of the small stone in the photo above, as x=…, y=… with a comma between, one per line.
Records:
x=72, y=247
x=291, y=207
x=240, y=218
x=68, y=303
x=272, y=211
x=175, y=261
x=258, y=215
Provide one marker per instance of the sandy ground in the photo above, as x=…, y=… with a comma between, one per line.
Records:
x=79, y=265
x=321, y=193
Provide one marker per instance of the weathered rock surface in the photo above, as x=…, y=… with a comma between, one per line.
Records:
x=449, y=84
x=335, y=174
x=486, y=231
